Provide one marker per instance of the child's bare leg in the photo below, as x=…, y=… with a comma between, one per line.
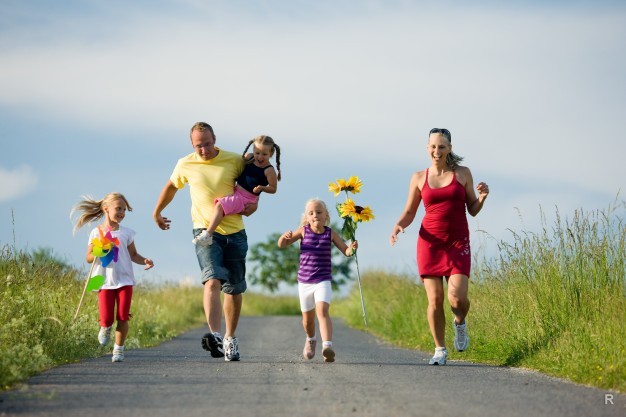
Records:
x=326, y=324
x=121, y=332
x=308, y=322
x=326, y=330
x=218, y=215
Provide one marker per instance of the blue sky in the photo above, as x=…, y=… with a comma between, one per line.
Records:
x=99, y=96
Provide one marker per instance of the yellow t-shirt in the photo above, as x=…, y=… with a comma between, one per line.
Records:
x=207, y=181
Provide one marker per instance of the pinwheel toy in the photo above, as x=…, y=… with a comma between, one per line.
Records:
x=105, y=247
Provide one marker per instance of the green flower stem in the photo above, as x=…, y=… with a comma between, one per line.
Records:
x=358, y=273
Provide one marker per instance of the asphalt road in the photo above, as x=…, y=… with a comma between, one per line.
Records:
x=369, y=378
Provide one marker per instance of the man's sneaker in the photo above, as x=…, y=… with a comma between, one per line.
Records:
x=329, y=354
x=309, y=348
x=203, y=239
x=118, y=355
x=440, y=358
x=231, y=349
x=461, y=339
x=104, y=335
x=214, y=344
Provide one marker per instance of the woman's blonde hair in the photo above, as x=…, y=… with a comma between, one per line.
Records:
x=91, y=210
x=315, y=201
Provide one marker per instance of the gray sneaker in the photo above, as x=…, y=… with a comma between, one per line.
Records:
x=461, y=339
x=231, y=349
x=214, y=344
x=440, y=358
x=104, y=335
x=118, y=355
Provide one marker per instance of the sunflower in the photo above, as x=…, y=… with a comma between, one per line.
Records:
x=357, y=213
x=353, y=184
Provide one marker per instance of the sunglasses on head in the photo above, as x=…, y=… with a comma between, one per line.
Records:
x=441, y=131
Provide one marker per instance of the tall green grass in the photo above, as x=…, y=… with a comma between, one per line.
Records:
x=39, y=296
x=554, y=301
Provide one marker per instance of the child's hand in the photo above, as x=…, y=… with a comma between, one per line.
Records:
x=258, y=189
x=353, y=247
x=149, y=263
x=288, y=234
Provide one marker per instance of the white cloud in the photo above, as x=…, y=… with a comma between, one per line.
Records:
x=17, y=183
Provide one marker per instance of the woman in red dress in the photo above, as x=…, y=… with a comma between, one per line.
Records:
x=443, y=246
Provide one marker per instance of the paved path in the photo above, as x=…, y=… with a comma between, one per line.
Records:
x=369, y=378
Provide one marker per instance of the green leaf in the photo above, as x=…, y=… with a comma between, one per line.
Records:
x=348, y=231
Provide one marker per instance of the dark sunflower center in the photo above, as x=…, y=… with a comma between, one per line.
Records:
x=358, y=209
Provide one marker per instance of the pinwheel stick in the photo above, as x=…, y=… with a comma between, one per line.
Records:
x=85, y=289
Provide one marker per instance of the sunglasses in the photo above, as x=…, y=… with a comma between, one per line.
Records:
x=441, y=131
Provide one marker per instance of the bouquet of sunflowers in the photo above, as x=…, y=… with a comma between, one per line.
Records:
x=352, y=215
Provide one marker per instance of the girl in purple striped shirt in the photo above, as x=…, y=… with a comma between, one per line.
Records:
x=314, y=274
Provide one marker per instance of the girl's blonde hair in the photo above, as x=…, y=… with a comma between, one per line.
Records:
x=91, y=210
x=262, y=140
x=315, y=201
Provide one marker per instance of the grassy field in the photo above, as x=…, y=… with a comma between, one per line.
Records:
x=38, y=300
x=553, y=301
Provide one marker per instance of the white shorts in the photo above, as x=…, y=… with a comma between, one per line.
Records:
x=311, y=294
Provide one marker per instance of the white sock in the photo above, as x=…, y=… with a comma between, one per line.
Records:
x=309, y=339
x=328, y=343
x=116, y=347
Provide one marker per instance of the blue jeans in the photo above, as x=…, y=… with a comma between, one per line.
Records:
x=225, y=260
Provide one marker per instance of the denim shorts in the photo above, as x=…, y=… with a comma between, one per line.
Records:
x=225, y=260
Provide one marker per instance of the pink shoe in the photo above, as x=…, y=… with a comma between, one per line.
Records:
x=309, y=349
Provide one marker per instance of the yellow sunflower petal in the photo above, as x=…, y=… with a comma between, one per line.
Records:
x=334, y=188
x=354, y=184
x=347, y=208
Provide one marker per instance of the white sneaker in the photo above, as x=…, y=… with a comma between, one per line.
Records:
x=104, y=335
x=231, y=349
x=118, y=355
x=461, y=339
x=440, y=358
x=203, y=239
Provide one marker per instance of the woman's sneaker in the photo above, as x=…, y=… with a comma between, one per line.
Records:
x=203, y=239
x=461, y=339
x=214, y=344
x=231, y=349
x=440, y=358
x=309, y=348
x=104, y=335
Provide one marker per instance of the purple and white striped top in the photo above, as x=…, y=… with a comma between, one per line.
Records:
x=315, y=265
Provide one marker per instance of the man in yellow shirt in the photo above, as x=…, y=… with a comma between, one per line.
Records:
x=211, y=173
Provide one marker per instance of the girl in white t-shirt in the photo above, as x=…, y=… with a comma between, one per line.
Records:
x=118, y=271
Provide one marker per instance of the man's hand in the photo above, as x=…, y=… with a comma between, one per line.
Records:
x=162, y=222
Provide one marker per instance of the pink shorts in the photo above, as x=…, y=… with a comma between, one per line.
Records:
x=236, y=202
x=106, y=304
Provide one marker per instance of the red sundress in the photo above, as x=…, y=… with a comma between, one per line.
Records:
x=443, y=246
